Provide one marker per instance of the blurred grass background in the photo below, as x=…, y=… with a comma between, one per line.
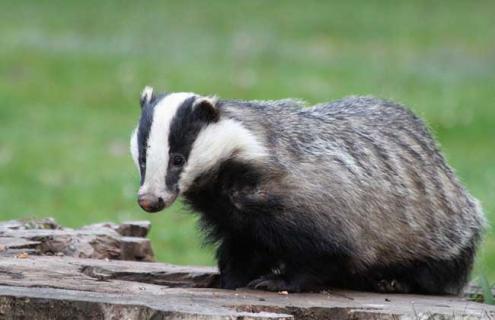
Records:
x=71, y=73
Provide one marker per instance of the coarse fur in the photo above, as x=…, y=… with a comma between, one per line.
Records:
x=353, y=193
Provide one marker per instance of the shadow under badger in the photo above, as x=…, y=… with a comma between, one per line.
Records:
x=353, y=193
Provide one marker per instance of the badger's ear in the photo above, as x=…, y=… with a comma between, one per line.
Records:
x=206, y=108
x=146, y=96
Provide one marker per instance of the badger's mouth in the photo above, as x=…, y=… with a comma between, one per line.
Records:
x=152, y=203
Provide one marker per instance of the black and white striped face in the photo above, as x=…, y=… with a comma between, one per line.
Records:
x=180, y=136
x=161, y=145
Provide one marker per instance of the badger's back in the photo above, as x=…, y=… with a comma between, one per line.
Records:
x=369, y=170
x=357, y=188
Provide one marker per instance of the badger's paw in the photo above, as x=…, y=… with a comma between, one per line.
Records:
x=391, y=286
x=273, y=283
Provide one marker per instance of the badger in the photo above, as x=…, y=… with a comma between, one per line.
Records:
x=349, y=194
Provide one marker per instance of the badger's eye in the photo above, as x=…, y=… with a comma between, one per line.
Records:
x=178, y=160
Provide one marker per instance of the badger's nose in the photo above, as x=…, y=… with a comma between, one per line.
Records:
x=151, y=203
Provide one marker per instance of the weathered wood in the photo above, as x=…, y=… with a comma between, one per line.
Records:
x=33, y=286
x=45, y=223
x=100, y=241
x=143, y=290
x=128, y=229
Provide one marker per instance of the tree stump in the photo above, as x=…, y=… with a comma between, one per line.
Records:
x=124, y=241
x=103, y=271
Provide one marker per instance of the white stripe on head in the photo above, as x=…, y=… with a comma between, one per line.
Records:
x=216, y=143
x=158, y=148
x=134, y=148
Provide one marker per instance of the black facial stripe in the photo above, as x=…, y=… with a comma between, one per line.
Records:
x=145, y=123
x=184, y=130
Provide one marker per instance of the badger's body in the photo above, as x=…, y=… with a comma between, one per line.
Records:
x=351, y=194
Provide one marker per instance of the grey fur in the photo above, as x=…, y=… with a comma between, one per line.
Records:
x=362, y=175
x=371, y=168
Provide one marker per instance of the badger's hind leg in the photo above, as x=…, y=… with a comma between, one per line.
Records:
x=428, y=276
x=442, y=276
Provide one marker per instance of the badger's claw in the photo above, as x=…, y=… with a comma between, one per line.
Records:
x=255, y=282
x=273, y=283
x=269, y=285
x=391, y=286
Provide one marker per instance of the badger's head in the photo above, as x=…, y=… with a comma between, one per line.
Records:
x=179, y=137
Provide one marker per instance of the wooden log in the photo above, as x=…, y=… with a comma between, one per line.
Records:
x=42, y=287
x=100, y=241
x=130, y=229
x=33, y=286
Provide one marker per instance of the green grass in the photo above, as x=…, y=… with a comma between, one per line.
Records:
x=486, y=290
x=71, y=73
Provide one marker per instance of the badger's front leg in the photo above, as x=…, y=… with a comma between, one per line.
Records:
x=239, y=263
x=303, y=273
x=295, y=283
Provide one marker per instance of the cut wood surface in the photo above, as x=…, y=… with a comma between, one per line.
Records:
x=104, y=240
x=33, y=286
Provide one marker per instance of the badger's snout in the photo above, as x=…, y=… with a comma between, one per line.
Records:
x=153, y=203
